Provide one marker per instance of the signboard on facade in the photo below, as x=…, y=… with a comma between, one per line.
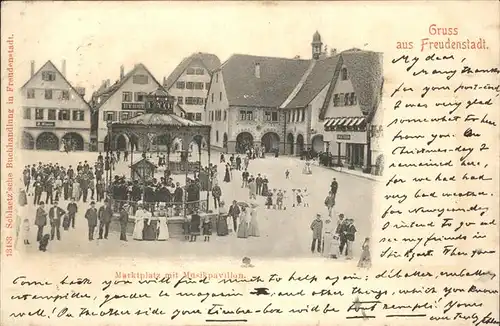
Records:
x=45, y=124
x=132, y=106
x=352, y=137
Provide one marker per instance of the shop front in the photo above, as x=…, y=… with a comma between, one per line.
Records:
x=347, y=141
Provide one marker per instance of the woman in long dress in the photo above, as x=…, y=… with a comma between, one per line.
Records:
x=253, y=226
x=150, y=226
x=76, y=190
x=163, y=233
x=139, y=223
x=365, y=260
x=222, y=226
x=227, y=176
x=328, y=233
x=243, y=226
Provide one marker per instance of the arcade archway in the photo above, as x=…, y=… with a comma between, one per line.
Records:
x=74, y=141
x=122, y=143
x=318, y=144
x=244, y=141
x=28, y=142
x=47, y=141
x=300, y=144
x=270, y=141
x=289, y=141
x=224, y=141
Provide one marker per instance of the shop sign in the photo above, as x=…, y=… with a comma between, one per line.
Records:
x=132, y=106
x=343, y=137
x=45, y=124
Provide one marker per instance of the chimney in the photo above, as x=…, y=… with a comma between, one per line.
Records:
x=32, y=67
x=257, y=70
x=108, y=83
x=63, y=68
x=164, y=81
x=122, y=72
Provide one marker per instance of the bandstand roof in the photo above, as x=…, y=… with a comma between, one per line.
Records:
x=159, y=119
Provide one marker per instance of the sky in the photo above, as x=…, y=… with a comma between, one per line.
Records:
x=95, y=38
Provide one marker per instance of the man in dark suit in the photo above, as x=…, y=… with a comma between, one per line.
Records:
x=55, y=216
x=105, y=214
x=234, y=212
x=91, y=216
x=123, y=222
x=40, y=220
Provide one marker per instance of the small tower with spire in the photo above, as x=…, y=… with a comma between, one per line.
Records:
x=317, y=46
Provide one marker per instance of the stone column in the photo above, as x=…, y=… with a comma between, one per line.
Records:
x=366, y=163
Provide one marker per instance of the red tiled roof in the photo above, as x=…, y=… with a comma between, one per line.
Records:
x=278, y=78
x=210, y=61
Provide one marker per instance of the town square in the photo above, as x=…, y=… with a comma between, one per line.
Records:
x=252, y=156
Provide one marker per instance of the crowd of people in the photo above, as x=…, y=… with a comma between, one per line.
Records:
x=150, y=204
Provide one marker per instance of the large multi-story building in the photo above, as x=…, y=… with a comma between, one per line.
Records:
x=291, y=105
x=122, y=100
x=189, y=83
x=54, y=112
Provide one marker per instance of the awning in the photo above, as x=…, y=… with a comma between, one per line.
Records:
x=343, y=122
x=359, y=121
x=329, y=122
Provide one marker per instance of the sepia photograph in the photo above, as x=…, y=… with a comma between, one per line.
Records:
x=214, y=153
x=250, y=163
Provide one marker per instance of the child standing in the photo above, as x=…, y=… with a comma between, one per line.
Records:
x=269, y=201
x=305, y=198
x=25, y=231
x=207, y=228
x=294, y=198
x=335, y=245
x=186, y=226
x=194, y=226
x=287, y=174
x=279, y=199
x=299, y=198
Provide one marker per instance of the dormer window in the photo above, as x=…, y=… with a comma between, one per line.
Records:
x=344, y=73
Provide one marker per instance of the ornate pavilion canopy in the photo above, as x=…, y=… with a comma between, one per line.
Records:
x=159, y=121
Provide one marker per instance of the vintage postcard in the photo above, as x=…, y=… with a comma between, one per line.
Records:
x=250, y=163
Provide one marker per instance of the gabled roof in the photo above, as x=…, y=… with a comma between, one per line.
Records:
x=210, y=61
x=53, y=66
x=365, y=72
x=364, y=69
x=278, y=78
x=319, y=77
x=110, y=91
x=159, y=119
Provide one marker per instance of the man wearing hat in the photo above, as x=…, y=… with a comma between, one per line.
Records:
x=341, y=231
x=105, y=214
x=91, y=216
x=123, y=222
x=317, y=229
x=55, y=215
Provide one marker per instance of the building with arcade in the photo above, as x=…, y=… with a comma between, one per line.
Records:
x=322, y=104
x=54, y=112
